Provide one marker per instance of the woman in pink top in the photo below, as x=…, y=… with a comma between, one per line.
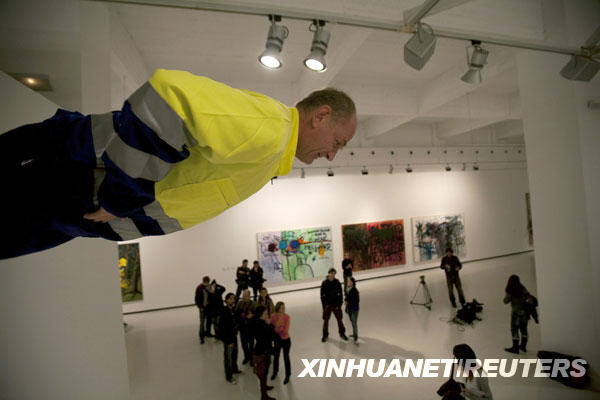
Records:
x=281, y=324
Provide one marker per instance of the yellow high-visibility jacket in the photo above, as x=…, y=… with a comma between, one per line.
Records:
x=237, y=141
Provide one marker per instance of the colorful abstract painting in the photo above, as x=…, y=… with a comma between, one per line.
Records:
x=374, y=244
x=432, y=235
x=130, y=271
x=296, y=254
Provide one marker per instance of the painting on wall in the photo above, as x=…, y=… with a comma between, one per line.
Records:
x=529, y=220
x=375, y=244
x=294, y=255
x=432, y=235
x=130, y=271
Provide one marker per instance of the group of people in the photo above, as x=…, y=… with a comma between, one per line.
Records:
x=262, y=326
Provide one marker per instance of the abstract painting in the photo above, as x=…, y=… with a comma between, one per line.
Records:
x=130, y=271
x=294, y=255
x=432, y=235
x=374, y=244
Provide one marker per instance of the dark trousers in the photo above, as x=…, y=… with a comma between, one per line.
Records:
x=337, y=311
x=240, y=287
x=230, y=355
x=247, y=343
x=255, y=290
x=261, y=369
x=204, y=322
x=353, y=315
x=284, y=344
x=518, y=323
x=47, y=172
x=455, y=282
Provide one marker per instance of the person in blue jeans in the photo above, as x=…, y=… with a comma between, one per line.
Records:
x=352, y=305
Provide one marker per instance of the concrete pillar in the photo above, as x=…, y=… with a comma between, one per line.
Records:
x=563, y=175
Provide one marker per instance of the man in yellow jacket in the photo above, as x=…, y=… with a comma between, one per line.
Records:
x=182, y=150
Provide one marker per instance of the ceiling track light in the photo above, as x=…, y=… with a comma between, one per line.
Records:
x=475, y=61
x=409, y=169
x=475, y=167
x=315, y=61
x=448, y=168
x=364, y=170
x=391, y=170
x=584, y=66
x=302, y=173
x=420, y=47
x=329, y=172
x=270, y=58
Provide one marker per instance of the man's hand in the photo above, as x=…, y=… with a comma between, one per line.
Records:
x=100, y=215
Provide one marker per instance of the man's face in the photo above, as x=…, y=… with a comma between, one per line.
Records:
x=246, y=295
x=230, y=301
x=331, y=276
x=244, y=263
x=322, y=137
x=448, y=253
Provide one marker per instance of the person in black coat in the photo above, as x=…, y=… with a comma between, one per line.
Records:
x=263, y=333
x=256, y=278
x=201, y=300
x=451, y=265
x=242, y=278
x=352, y=306
x=215, y=304
x=228, y=331
x=332, y=299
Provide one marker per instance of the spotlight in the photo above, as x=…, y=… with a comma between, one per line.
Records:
x=364, y=171
x=277, y=34
x=475, y=167
x=419, y=48
x=302, y=173
x=315, y=61
x=391, y=169
x=476, y=62
x=38, y=82
x=448, y=167
x=580, y=68
x=329, y=172
x=409, y=168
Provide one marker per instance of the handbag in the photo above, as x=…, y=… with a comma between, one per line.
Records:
x=450, y=385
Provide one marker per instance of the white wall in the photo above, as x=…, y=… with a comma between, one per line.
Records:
x=61, y=335
x=493, y=204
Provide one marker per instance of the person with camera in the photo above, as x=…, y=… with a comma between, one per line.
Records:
x=451, y=265
x=519, y=298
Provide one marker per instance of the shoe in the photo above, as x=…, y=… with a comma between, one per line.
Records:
x=267, y=397
x=237, y=371
x=270, y=387
x=324, y=339
x=515, y=347
x=209, y=335
x=343, y=336
x=286, y=380
x=201, y=341
x=356, y=338
x=273, y=377
x=232, y=380
x=246, y=361
x=453, y=305
x=523, y=345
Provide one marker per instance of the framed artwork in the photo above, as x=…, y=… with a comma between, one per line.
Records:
x=294, y=255
x=432, y=235
x=375, y=244
x=130, y=271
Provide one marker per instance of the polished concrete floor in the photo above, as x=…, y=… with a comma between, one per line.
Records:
x=166, y=360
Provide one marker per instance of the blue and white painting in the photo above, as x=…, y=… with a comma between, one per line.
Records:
x=432, y=235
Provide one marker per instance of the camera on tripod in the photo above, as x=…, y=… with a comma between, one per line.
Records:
x=422, y=279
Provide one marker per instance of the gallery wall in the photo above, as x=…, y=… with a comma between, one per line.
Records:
x=491, y=201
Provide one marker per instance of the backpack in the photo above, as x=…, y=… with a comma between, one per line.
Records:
x=531, y=303
x=468, y=312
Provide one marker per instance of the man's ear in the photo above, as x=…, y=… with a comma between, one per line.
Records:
x=322, y=114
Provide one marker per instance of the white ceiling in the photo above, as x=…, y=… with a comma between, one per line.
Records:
x=428, y=107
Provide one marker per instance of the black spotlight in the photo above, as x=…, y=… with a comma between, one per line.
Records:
x=329, y=172
x=448, y=167
x=475, y=167
x=409, y=169
x=364, y=171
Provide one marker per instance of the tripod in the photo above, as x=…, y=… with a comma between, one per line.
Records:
x=428, y=300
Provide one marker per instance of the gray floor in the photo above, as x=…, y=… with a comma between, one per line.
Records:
x=166, y=360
